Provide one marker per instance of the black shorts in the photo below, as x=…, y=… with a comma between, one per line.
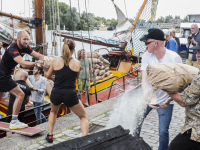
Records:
x=6, y=82
x=68, y=97
x=9, y=113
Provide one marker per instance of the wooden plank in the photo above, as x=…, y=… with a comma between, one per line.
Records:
x=26, y=131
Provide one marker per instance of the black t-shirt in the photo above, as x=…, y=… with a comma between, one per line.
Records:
x=7, y=63
x=25, y=88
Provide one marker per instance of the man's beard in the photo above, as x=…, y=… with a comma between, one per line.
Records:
x=35, y=73
x=21, y=44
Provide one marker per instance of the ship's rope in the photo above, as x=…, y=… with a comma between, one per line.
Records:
x=94, y=79
x=51, y=24
x=59, y=24
x=72, y=24
x=125, y=8
x=80, y=24
x=54, y=27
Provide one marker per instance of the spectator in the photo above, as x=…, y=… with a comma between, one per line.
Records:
x=172, y=34
x=170, y=42
x=192, y=41
x=37, y=94
x=85, y=75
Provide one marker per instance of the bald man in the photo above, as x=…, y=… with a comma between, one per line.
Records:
x=13, y=56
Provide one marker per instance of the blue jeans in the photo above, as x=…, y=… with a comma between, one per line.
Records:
x=165, y=115
x=38, y=113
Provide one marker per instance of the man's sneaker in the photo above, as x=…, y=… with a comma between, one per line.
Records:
x=49, y=138
x=17, y=125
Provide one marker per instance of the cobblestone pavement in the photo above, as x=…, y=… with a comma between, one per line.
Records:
x=149, y=130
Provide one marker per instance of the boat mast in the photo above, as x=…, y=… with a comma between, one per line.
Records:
x=39, y=31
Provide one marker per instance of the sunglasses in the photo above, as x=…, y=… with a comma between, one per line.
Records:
x=147, y=43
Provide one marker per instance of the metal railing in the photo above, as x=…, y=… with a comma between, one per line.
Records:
x=123, y=81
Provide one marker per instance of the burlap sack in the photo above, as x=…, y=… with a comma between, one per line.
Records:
x=101, y=58
x=47, y=61
x=100, y=63
x=96, y=66
x=107, y=73
x=95, y=60
x=101, y=67
x=49, y=86
x=96, y=72
x=92, y=55
x=17, y=75
x=101, y=72
x=98, y=78
x=170, y=77
x=106, y=69
x=106, y=61
x=103, y=76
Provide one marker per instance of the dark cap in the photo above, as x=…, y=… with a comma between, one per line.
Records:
x=196, y=47
x=154, y=33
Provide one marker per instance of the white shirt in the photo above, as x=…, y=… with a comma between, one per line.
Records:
x=150, y=58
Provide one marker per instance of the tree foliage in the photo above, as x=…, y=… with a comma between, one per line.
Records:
x=71, y=19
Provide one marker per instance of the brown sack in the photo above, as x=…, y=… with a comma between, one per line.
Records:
x=98, y=78
x=170, y=77
x=107, y=73
x=95, y=60
x=47, y=61
x=96, y=66
x=102, y=67
x=101, y=72
x=49, y=86
x=106, y=61
x=94, y=55
x=17, y=75
x=107, y=68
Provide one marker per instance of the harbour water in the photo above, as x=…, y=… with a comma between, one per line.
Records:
x=79, y=45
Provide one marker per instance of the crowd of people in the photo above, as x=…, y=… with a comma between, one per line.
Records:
x=162, y=47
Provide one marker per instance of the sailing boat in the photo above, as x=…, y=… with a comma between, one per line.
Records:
x=101, y=87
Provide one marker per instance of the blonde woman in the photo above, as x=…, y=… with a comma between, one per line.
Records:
x=67, y=70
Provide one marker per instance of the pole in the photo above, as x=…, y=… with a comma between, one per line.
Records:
x=138, y=16
x=39, y=12
x=15, y=17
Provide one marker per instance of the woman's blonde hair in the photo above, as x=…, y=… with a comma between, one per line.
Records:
x=79, y=53
x=68, y=46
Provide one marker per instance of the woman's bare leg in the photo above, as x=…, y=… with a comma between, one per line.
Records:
x=79, y=110
x=52, y=117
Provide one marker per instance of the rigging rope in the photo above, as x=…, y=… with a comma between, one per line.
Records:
x=94, y=79
x=125, y=9
x=80, y=23
x=72, y=24
x=51, y=24
x=12, y=30
x=59, y=24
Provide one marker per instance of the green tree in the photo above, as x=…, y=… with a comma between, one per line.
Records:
x=185, y=19
x=168, y=18
x=160, y=20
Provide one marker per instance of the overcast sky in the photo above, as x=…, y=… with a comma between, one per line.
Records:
x=104, y=8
